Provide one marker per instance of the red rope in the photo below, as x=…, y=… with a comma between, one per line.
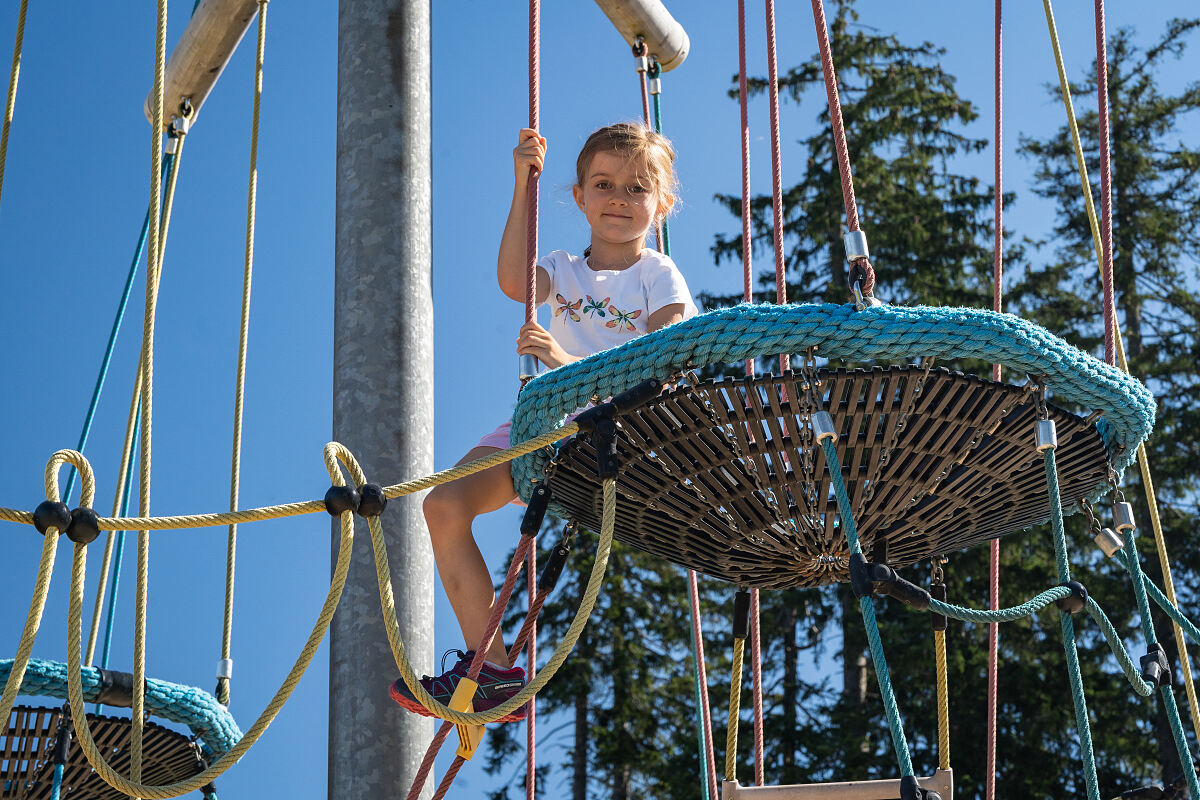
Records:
x=839, y=137
x=449, y=777
x=776, y=169
x=418, y=783
x=531, y=222
x=1110, y=336
x=756, y=665
x=639, y=50
x=485, y=642
x=997, y=305
x=531, y=670
x=747, y=244
x=698, y=642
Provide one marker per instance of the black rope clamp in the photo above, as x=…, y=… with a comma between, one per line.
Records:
x=741, y=614
x=116, y=688
x=554, y=565
x=371, y=500
x=340, y=499
x=535, y=512
x=1155, y=667
x=601, y=422
x=84, y=527
x=1074, y=602
x=939, y=622
x=911, y=790
x=62, y=745
x=50, y=514
x=874, y=579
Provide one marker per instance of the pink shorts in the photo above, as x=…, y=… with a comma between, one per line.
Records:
x=497, y=438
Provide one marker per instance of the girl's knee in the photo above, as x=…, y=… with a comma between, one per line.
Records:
x=443, y=508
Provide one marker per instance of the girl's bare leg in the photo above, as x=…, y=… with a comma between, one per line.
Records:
x=450, y=509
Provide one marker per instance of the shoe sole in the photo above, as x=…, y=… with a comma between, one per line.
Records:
x=410, y=704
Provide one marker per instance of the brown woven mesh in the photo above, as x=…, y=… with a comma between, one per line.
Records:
x=27, y=756
x=724, y=477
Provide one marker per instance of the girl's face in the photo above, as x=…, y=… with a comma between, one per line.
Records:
x=619, y=207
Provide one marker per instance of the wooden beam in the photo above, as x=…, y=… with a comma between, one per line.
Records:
x=665, y=38
x=200, y=55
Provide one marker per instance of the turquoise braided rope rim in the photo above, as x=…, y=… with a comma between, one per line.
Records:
x=186, y=705
x=881, y=333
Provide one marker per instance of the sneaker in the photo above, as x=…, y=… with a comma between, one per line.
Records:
x=495, y=686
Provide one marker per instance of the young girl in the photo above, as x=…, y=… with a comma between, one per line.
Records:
x=617, y=290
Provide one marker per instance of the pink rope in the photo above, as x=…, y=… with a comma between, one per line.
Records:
x=531, y=670
x=527, y=627
x=439, y=738
x=997, y=305
x=485, y=642
x=747, y=245
x=748, y=294
x=449, y=777
x=839, y=137
x=1110, y=336
x=756, y=665
x=776, y=169
x=640, y=50
x=698, y=642
x=531, y=229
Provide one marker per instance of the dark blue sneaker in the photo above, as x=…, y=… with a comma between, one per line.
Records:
x=495, y=686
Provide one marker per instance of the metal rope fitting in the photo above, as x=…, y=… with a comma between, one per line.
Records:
x=225, y=668
x=653, y=81
x=84, y=527
x=823, y=428
x=855, y=243
x=1123, y=520
x=528, y=368
x=50, y=514
x=1046, y=437
x=1108, y=541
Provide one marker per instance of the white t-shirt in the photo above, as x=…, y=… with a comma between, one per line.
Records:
x=595, y=309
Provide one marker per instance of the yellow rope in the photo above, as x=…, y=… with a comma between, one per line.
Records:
x=239, y=393
x=37, y=604
x=11, y=103
x=334, y=453
x=1143, y=459
x=313, y=506
x=943, y=701
x=127, y=447
x=735, y=710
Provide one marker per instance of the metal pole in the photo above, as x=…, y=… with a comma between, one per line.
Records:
x=383, y=379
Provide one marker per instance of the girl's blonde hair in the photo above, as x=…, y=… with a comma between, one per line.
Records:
x=651, y=151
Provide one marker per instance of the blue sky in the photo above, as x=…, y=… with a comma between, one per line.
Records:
x=75, y=193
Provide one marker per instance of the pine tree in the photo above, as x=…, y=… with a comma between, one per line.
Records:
x=1155, y=156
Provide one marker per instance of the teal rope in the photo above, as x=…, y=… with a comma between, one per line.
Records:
x=186, y=705
x=1132, y=672
x=700, y=739
x=1162, y=602
x=56, y=785
x=1026, y=609
x=895, y=723
x=1132, y=562
x=1068, y=630
x=168, y=165
x=119, y=551
x=881, y=333
x=656, y=72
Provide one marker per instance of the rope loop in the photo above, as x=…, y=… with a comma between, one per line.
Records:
x=77, y=460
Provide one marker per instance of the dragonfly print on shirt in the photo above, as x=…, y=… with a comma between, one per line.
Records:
x=622, y=318
x=571, y=310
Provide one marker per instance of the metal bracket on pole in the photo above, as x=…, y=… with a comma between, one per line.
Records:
x=207, y=44
x=664, y=37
